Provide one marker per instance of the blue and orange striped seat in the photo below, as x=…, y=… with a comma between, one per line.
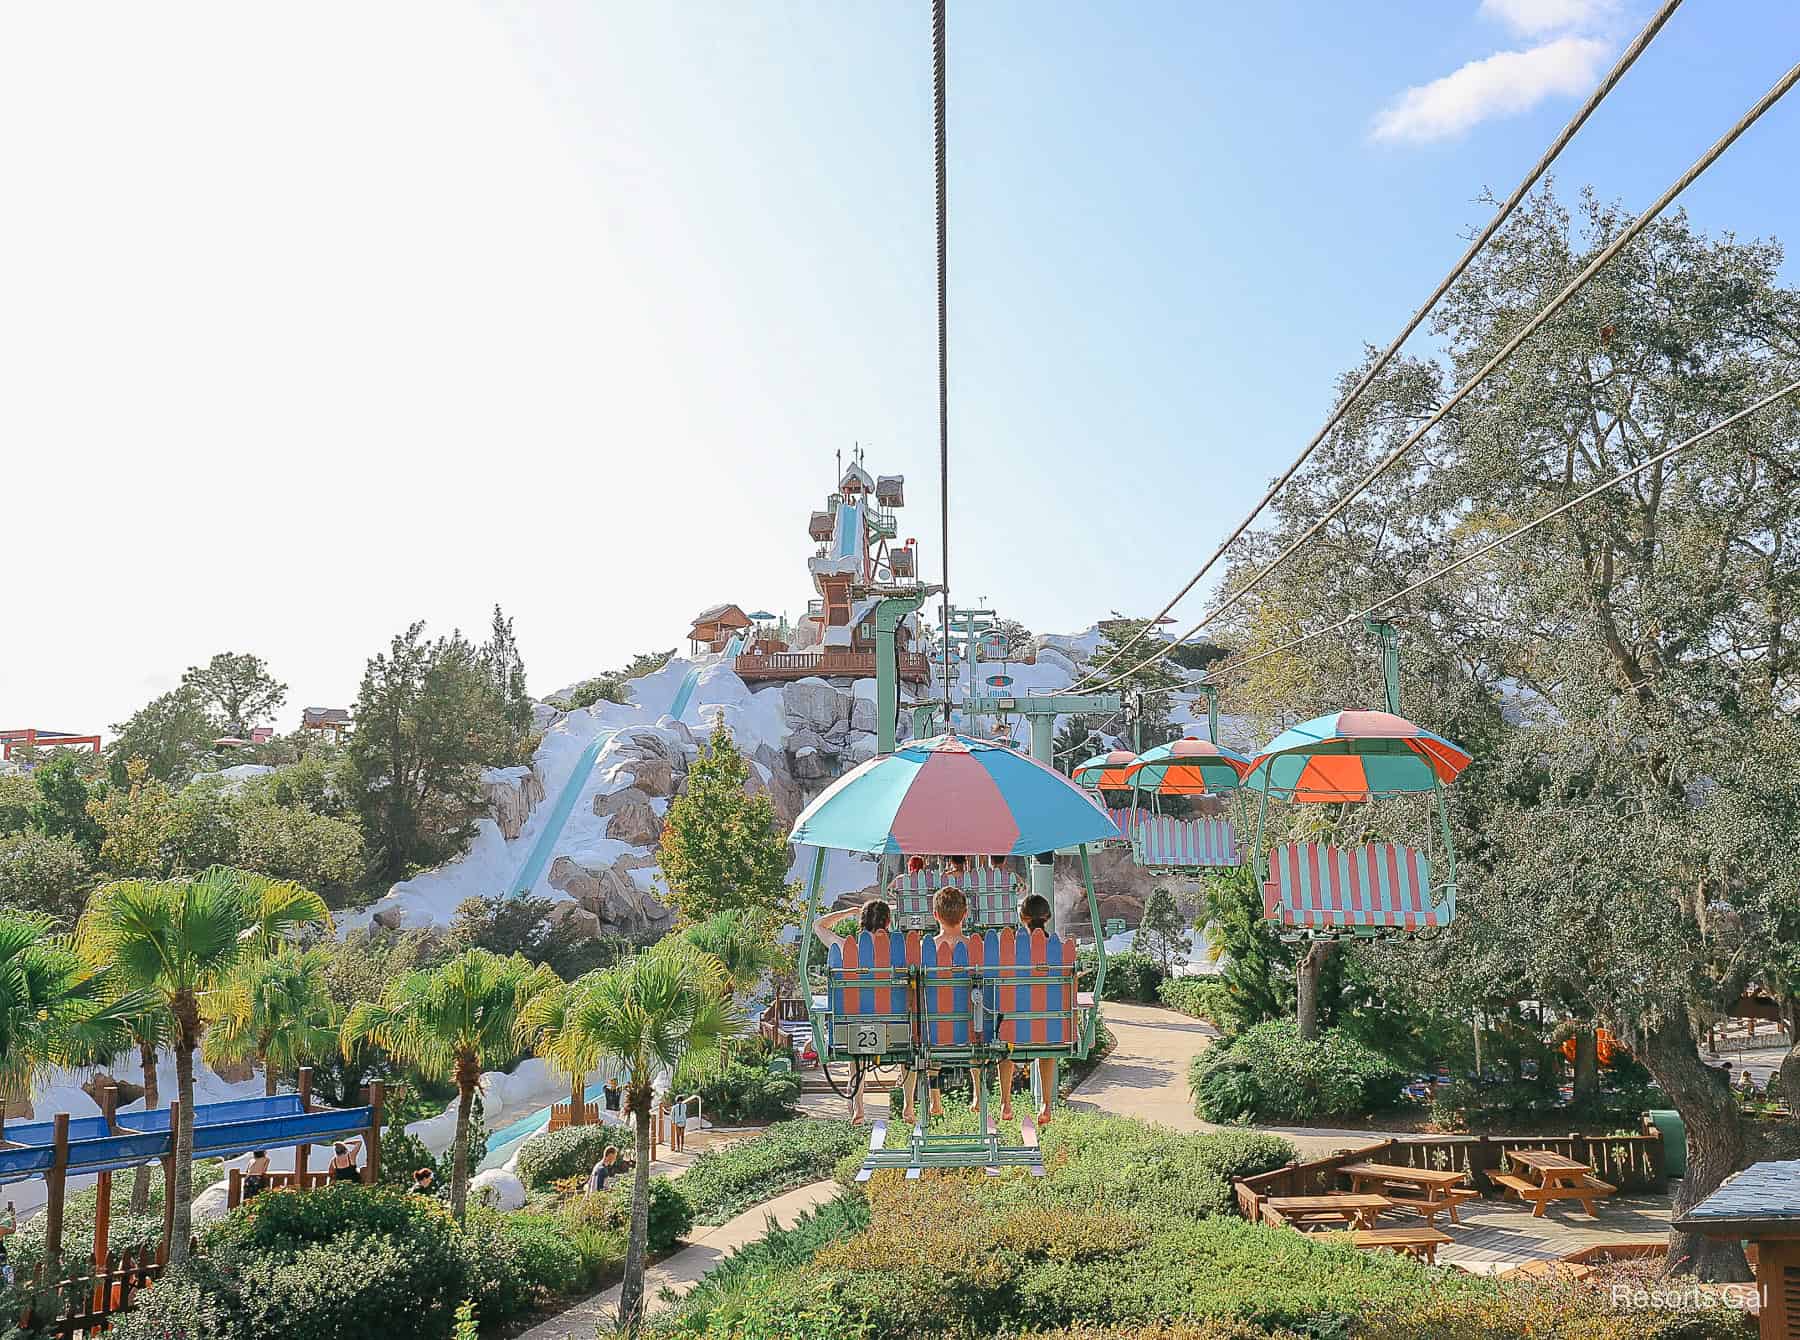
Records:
x=947, y=985
x=1382, y=885
x=867, y=978
x=1030, y=980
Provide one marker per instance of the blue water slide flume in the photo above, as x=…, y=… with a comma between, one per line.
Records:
x=685, y=694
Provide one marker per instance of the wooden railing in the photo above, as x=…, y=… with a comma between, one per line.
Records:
x=1629, y=1162
x=84, y=1300
x=278, y=1181
x=802, y=664
x=588, y=1115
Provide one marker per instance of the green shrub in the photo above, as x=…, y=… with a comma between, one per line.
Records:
x=1129, y=976
x=725, y=1181
x=517, y=1261
x=25, y=1248
x=186, y=1304
x=671, y=1216
x=356, y=1283
x=1267, y=1072
x=401, y=1153
x=743, y=1092
x=1205, y=998
x=729, y=1287
x=550, y=1156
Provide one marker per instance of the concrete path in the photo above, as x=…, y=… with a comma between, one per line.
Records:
x=680, y=1272
x=1146, y=1076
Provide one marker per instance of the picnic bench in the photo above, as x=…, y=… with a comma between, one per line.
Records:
x=1304, y=1212
x=1426, y=1192
x=1420, y=1242
x=1543, y=1176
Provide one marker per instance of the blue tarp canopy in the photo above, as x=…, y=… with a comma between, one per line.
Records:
x=136, y=1138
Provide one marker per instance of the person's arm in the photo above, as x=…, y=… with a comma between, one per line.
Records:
x=832, y=918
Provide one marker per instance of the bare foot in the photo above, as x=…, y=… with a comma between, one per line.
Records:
x=1006, y=1114
x=1043, y=1118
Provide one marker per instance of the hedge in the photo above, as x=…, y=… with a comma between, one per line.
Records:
x=743, y=1092
x=1267, y=1073
x=550, y=1156
x=729, y=1179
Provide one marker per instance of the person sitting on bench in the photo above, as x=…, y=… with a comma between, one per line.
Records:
x=1034, y=915
x=950, y=908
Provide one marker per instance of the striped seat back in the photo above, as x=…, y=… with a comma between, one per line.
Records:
x=867, y=974
x=946, y=982
x=1127, y=821
x=1031, y=985
x=1165, y=842
x=992, y=899
x=1319, y=887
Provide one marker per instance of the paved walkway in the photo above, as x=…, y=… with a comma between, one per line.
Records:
x=1146, y=1076
x=680, y=1272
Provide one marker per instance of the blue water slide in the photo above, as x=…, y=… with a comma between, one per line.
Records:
x=685, y=694
x=545, y=846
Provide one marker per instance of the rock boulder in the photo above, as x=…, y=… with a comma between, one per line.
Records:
x=511, y=794
x=630, y=818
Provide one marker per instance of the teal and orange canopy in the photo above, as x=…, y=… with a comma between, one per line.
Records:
x=952, y=795
x=1354, y=755
x=1105, y=772
x=1188, y=767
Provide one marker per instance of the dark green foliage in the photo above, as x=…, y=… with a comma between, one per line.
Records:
x=428, y=720
x=723, y=849
x=1129, y=976
x=523, y=926
x=172, y=733
x=186, y=1304
x=744, y=1093
x=550, y=1156
x=1162, y=933
x=1206, y=998
x=401, y=1153
x=518, y=1261
x=505, y=669
x=63, y=791
x=671, y=1215
x=614, y=685
x=728, y=1180
x=237, y=688
x=44, y=874
x=1258, y=968
x=1267, y=1072
x=733, y=1289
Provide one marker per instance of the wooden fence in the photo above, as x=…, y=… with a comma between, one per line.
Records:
x=587, y=1115
x=1629, y=1162
x=83, y=1302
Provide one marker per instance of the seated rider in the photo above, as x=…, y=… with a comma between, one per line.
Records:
x=875, y=916
x=950, y=908
x=1034, y=915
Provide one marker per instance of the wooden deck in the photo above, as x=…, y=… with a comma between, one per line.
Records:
x=1496, y=1235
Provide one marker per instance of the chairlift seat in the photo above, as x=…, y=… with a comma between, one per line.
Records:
x=1031, y=985
x=869, y=1013
x=1381, y=885
x=992, y=896
x=1163, y=842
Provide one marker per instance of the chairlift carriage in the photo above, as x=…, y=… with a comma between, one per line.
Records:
x=1187, y=767
x=1107, y=771
x=1321, y=890
x=1003, y=993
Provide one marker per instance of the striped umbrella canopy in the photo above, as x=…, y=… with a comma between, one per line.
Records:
x=1188, y=767
x=1105, y=772
x=1353, y=755
x=952, y=795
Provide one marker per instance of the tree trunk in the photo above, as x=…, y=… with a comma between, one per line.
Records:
x=576, y=1094
x=1790, y=1064
x=1715, y=1145
x=140, y=1182
x=268, y=1075
x=1311, y=968
x=1587, y=1066
x=466, y=1076
x=187, y=1038
x=631, y=1291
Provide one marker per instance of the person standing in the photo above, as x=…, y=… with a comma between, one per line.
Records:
x=343, y=1162
x=256, y=1174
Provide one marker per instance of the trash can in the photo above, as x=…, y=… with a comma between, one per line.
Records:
x=1673, y=1130
x=780, y=1065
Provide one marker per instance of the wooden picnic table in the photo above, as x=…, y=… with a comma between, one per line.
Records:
x=1544, y=1176
x=1439, y=1190
x=1306, y=1211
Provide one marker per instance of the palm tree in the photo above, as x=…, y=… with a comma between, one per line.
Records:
x=55, y=1008
x=543, y=1030
x=276, y=1011
x=743, y=947
x=455, y=1021
x=151, y=1030
x=180, y=940
x=650, y=1012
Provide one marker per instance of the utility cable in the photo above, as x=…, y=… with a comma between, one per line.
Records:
x=1556, y=304
x=943, y=326
x=1561, y=142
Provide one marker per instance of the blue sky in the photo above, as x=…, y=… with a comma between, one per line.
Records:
x=326, y=322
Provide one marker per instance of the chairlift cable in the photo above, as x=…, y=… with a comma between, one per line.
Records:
x=1505, y=211
x=1501, y=541
x=1625, y=237
x=943, y=325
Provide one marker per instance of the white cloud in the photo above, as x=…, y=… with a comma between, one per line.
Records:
x=1544, y=16
x=1504, y=84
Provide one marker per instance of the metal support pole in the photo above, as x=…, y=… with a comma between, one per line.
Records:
x=1390, y=661
x=888, y=616
x=1043, y=865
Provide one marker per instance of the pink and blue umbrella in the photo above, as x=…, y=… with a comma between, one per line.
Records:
x=953, y=795
x=1353, y=755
